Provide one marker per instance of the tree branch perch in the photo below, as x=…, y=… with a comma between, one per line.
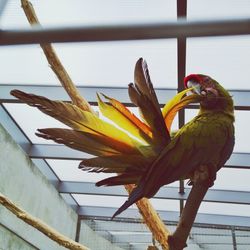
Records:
x=150, y=216
x=177, y=241
x=40, y=225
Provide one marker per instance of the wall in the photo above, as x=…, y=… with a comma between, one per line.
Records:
x=23, y=183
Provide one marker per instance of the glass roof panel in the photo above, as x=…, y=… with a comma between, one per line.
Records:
x=99, y=200
x=242, y=135
x=165, y=204
x=232, y=179
x=92, y=64
x=90, y=12
x=112, y=201
x=67, y=170
x=226, y=59
x=37, y=119
x=202, y=9
x=224, y=208
x=34, y=119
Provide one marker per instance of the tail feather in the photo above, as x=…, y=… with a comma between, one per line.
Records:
x=122, y=179
x=135, y=196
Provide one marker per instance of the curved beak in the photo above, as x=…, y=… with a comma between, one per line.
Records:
x=195, y=88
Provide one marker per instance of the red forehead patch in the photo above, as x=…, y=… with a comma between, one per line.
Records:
x=192, y=76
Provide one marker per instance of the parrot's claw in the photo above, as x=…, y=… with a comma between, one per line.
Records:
x=204, y=174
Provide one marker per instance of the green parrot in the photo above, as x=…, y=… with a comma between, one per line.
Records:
x=206, y=141
x=145, y=151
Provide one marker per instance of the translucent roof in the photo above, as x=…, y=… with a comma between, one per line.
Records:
x=105, y=66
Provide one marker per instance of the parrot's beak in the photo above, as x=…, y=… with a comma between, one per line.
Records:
x=195, y=88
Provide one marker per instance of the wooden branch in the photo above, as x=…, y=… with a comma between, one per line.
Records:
x=201, y=183
x=40, y=225
x=56, y=64
x=147, y=211
x=152, y=220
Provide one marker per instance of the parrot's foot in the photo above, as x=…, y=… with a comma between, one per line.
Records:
x=204, y=174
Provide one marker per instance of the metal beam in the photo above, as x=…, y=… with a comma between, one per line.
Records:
x=237, y=160
x=89, y=92
x=181, y=57
x=181, y=28
x=213, y=195
x=47, y=151
x=167, y=216
x=241, y=97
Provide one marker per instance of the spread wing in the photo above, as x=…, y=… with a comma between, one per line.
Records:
x=143, y=96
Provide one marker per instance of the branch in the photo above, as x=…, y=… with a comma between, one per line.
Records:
x=152, y=220
x=56, y=64
x=148, y=213
x=40, y=225
x=201, y=183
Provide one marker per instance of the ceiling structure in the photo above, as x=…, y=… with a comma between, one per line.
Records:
x=124, y=33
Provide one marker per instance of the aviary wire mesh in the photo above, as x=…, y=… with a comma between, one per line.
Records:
x=136, y=236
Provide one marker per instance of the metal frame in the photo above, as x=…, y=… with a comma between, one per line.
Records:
x=133, y=215
x=40, y=152
x=55, y=92
x=136, y=236
x=213, y=195
x=180, y=30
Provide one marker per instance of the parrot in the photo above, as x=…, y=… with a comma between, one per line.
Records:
x=143, y=150
x=206, y=141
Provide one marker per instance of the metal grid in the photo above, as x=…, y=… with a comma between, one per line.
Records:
x=136, y=236
x=39, y=153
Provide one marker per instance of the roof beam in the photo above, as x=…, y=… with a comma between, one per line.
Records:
x=241, y=97
x=181, y=28
x=58, y=93
x=213, y=195
x=48, y=151
x=181, y=56
x=237, y=160
x=167, y=216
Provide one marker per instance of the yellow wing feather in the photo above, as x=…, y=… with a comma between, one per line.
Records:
x=119, y=114
x=177, y=103
x=79, y=120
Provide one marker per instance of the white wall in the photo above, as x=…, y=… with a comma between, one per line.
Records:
x=23, y=183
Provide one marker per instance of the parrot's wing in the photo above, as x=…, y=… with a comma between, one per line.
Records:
x=78, y=140
x=143, y=96
x=199, y=142
x=81, y=120
x=124, y=118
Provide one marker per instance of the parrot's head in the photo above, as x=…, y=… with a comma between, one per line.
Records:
x=214, y=96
